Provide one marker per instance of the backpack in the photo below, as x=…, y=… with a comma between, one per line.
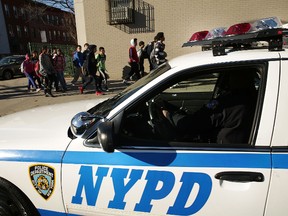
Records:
x=36, y=66
x=148, y=49
x=22, y=67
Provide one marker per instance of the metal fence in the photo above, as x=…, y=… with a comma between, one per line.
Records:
x=67, y=50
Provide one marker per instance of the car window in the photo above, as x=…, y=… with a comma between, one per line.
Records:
x=19, y=60
x=4, y=60
x=211, y=106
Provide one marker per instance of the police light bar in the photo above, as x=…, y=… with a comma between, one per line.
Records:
x=241, y=35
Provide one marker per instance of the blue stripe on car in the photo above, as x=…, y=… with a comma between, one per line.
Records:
x=157, y=158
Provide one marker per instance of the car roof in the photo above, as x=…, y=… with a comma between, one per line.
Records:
x=206, y=57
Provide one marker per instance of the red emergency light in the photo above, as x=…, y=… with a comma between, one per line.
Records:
x=198, y=36
x=238, y=29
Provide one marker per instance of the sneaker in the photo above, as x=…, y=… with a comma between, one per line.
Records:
x=73, y=84
x=126, y=82
x=98, y=93
x=81, y=89
x=106, y=89
x=38, y=89
x=49, y=95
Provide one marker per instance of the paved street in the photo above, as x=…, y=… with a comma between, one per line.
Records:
x=14, y=96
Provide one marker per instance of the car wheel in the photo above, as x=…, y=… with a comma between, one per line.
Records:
x=7, y=74
x=13, y=202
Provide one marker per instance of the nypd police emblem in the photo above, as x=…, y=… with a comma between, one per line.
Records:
x=43, y=179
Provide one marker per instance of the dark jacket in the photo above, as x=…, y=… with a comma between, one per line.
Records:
x=91, y=61
x=228, y=120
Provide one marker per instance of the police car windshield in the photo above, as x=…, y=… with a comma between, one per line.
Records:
x=106, y=106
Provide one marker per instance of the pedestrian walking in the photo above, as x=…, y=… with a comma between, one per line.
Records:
x=59, y=65
x=147, y=52
x=133, y=62
x=101, y=66
x=47, y=71
x=158, y=55
x=36, y=75
x=92, y=70
x=141, y=54
x=27, y=68
x=78, y=61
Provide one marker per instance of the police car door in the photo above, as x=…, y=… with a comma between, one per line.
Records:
x=154, y=171
x=278, y=191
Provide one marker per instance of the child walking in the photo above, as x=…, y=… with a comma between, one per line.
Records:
x=28, y=69
x=101, y=59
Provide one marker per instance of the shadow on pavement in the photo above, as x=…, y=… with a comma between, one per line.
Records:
x=17, y=88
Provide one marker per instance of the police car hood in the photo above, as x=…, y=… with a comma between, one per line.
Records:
x=43, y=128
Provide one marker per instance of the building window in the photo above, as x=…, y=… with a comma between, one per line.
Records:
x=120, y=11
x=62, y=22
x=33, y=32
x=50, y=35
x=18, y=28
x=54, y=34
x=23, y=13
x=52, y=19
x=7, y=11
x=43, y=36
x=11, y=31
x=56, y=20
x=26, y=31
x=59, y=35
x=64, y=36
x=15, y=11
x=47, y=18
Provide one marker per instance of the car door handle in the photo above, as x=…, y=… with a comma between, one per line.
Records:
x=240, y=176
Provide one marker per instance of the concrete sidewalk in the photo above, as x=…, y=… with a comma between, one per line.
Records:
x=14, y=96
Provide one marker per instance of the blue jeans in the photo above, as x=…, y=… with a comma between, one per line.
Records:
x=61, y=79
x=30, y=80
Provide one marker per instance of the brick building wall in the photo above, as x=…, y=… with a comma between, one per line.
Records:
x=178, y=19
x=25, y=21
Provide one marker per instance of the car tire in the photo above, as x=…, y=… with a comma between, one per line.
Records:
x=13, y=202
x=8, y=74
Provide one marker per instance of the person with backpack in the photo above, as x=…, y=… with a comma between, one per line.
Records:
x=147, y=52
x=158, y=55
x=92, y=70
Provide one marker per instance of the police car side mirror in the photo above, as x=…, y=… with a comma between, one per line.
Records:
x=82, y=122
x=105, y=134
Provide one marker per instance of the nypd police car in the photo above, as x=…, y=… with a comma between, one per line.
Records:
x=124, y=156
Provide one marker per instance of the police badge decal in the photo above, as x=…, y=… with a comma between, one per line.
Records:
x=43, y=179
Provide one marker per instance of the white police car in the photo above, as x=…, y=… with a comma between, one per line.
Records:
x=123, y=157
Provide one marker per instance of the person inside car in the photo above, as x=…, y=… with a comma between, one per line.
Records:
x=226, y=119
